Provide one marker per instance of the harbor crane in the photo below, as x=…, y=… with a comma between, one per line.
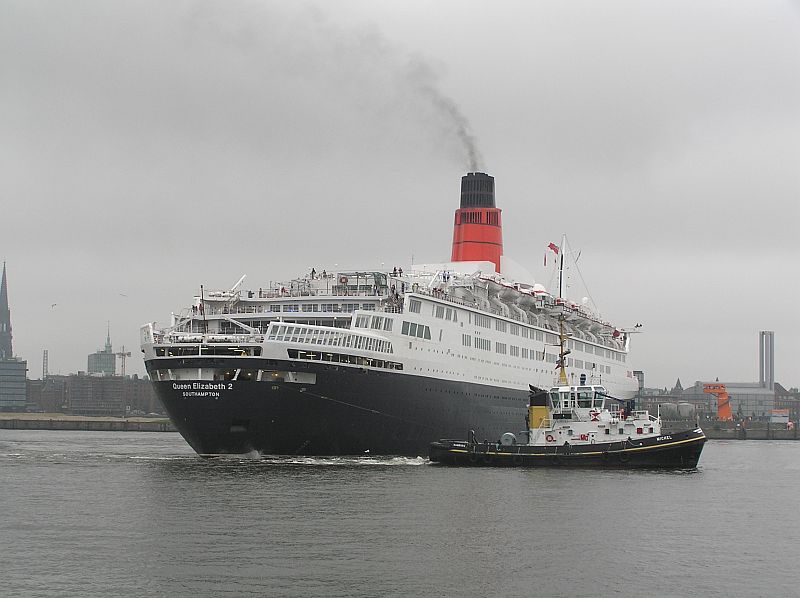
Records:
x=122, y=355
x=724, y=412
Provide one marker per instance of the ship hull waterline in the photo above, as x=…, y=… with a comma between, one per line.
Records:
x=347, y=411
x=679, y=450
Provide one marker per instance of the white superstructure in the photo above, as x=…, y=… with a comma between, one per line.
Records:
x=446, y=321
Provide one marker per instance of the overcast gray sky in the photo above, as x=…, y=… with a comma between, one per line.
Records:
x=149, y=147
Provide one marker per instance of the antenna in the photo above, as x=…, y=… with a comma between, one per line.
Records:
x=44, y=365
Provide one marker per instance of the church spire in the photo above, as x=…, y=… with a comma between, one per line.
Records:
x=6, y=351
x=108, y=337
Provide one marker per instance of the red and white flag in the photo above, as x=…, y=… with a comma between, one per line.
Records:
x=552, y=247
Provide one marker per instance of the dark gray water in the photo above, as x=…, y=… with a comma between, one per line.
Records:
x=137, y=514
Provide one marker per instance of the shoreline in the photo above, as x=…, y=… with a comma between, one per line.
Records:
x=61, y=421
x=717, y=430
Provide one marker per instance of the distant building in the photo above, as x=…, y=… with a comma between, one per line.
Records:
x=82, y=394
x=753, y=401
x=140, y=398
x=94, y=395
x=104, y=361
x=749, y=400
x=12, y=384
x=13, y=371
x=639, y=374
x=788, y=399
x=48, y=395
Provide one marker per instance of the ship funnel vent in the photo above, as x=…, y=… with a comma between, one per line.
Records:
x=477, y=190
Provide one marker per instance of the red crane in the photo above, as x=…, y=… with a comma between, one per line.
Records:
x=723, y=400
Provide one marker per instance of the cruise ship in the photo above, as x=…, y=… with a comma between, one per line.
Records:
x=359, y=362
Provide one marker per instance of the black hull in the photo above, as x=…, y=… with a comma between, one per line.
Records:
x=348, y=411
x=671, y=451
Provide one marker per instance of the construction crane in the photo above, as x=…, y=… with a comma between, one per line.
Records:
x=724, y=412
x=122, y=355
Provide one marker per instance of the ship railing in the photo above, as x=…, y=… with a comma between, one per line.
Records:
x=262, y=309
x=381, y=291
x=201, y=338
x=447, y=297
x=645, y=415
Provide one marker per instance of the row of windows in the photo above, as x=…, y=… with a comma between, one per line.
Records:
x=502, y=348
x=483, y=344
x=344, y=358
x=483, y=321
x=331, y=338
x=218, y=374
x=222, y=350
x=447, y=313
x=619, y=431
x=526, y=353
x=323, y=307
x=517, y=330
x=588, y=365
x=345, y=307
x=417, y=330
x=374, y=322
x=602, y=352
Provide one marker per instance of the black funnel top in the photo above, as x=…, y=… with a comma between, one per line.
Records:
x=477, y=190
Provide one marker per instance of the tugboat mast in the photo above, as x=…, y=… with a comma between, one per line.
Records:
x=562, y=352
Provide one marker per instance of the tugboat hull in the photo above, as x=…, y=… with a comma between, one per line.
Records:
x=669, y=451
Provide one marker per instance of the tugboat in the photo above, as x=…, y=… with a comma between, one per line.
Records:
x=579, y=425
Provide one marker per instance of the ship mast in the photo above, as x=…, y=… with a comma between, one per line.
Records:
x=562, y=336
x=561, y=266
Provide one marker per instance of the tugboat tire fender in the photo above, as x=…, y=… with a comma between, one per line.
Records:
x=473, y=457
x=624, y=457
x=487, y=458
x=517, y=459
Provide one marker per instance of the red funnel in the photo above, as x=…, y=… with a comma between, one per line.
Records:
x=478, y=230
